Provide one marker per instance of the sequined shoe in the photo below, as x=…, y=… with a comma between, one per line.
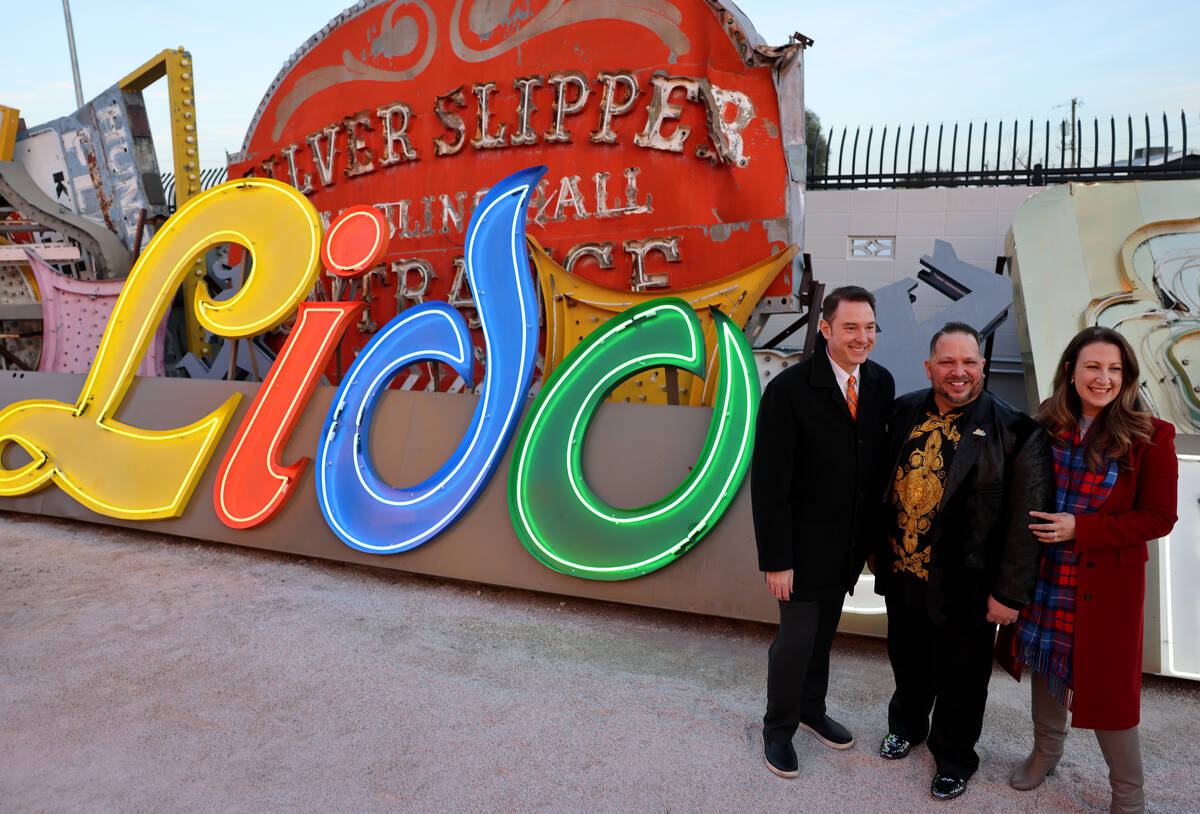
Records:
x=947, y=787
x=894, y=747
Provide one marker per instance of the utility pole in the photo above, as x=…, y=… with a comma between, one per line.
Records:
x=1074, y=155
x=74, y=58
x=1076, y=102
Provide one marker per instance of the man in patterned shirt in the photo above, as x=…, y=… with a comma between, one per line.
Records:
x=958, y=557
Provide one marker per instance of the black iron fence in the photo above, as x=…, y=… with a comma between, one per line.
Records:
x=1005, y=153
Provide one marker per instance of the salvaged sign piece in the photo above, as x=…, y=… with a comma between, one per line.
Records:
x=670, y=133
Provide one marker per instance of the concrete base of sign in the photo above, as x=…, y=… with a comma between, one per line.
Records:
x=635, y=453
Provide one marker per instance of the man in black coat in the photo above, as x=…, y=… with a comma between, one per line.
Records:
x=957, y=556
x=813, y=486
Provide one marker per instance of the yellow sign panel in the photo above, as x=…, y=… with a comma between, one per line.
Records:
x=575, y=307
x=8, y=131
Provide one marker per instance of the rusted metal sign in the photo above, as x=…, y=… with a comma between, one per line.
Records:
x=97, y=164
x=666, y=125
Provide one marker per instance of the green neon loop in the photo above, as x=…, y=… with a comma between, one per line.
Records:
x=557, y=516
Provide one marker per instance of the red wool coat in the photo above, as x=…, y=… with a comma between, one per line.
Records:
x=1111, y=590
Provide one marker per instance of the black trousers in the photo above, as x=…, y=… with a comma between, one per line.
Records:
x=798, y=665
x=943, y=669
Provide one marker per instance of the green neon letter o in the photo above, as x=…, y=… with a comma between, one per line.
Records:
x=558, y=518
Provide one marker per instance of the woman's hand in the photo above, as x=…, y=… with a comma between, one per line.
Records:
x=1059, y=526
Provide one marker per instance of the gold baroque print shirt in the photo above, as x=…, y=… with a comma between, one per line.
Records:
x=917, y=488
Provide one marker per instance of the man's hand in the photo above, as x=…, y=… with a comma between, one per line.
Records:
x=779, y=583
x=999, y=613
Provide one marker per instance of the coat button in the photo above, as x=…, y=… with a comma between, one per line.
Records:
x=1091, y=565
x=1087, y=596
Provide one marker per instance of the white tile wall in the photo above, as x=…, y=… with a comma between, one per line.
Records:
x=974, y=220
x=859, y=270
x=980, y=251
x=873, y=223
x=833, y=200
x=834, y=273
x=827, y=224
x=970, y=223
x=914, y=200
x=909, y=248
x=873, y=200
x=972, y=199
x=921, y=223
x=825, y=247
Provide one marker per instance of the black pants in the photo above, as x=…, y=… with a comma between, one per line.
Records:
x=945, y=669
x=798, y=665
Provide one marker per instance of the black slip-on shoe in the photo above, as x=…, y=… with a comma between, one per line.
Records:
x=829, y=732
x=947, y=787
x=781, y=758
x=894, y=747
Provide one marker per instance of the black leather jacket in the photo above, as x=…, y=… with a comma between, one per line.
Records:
x=1002, y=469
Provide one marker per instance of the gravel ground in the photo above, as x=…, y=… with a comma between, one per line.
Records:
x=153, y=674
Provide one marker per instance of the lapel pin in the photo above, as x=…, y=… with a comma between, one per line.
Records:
x=979, y=432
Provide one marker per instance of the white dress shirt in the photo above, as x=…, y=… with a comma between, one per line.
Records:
x=843, y=378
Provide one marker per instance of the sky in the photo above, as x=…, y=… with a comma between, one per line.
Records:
x=872, y=63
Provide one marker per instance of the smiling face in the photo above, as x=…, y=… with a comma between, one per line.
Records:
x=1097, y=376
x=850, y=333
x=955, y=369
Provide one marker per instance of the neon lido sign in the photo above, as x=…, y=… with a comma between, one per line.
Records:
x=129, y=472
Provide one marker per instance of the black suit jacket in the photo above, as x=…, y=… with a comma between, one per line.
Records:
x=815, y=475
x=1002, y=468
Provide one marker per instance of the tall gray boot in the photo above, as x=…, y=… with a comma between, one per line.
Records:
x=1122, y=751
x=1049, y=734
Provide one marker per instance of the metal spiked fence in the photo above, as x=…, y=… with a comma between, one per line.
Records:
x=1006, y=153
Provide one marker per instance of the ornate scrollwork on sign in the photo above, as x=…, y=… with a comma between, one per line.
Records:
x=399, y=36
x=486, y=16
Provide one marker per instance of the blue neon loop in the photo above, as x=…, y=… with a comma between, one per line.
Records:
x=373, y=516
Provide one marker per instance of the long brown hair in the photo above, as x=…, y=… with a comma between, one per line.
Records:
x=1123, y=421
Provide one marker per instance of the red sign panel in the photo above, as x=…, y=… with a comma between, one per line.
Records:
x=660, y=126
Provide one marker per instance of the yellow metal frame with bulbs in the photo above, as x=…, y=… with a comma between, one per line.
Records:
x=176, y=66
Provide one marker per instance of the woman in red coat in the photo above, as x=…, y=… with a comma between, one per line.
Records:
x=1081, y=637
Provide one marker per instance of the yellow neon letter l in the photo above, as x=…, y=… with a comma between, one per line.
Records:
x=129, y=472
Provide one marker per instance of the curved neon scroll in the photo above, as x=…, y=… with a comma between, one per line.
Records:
x=124, y=471
x=364, y=511
x=556, y=515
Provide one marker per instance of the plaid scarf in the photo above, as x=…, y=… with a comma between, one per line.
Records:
x=1045, y=629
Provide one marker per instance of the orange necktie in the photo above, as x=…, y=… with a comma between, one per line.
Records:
x=852, y=398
